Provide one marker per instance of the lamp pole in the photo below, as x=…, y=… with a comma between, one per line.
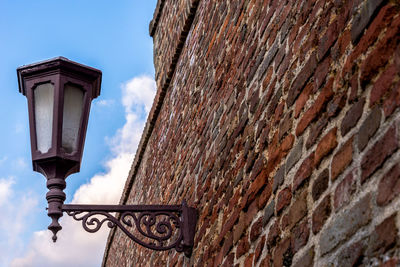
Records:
x=59, y=93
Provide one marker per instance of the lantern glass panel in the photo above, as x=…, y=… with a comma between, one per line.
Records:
x=72, y=115
x=44, y=104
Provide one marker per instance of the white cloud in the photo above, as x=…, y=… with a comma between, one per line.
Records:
x=138, y=93
x=105, y=102
x=15, y=209
x=5, y=190
x=84, y=249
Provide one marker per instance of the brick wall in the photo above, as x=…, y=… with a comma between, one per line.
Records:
x=279, y=121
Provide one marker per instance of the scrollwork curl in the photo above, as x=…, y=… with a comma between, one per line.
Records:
x=92, y=224
x=155, y=234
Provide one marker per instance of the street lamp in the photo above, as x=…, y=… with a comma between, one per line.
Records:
x=59, y=93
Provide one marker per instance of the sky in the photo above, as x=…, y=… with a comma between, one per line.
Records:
x=112, y=36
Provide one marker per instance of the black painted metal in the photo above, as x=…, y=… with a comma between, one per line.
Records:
x=157, y=227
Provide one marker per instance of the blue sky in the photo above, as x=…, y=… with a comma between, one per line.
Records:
x=111, y=36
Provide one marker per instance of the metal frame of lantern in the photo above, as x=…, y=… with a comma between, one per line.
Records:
x=160, y=227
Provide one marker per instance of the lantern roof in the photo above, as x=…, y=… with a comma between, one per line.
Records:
x=64, y=65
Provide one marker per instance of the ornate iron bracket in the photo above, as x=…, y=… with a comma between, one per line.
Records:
x=160, y=227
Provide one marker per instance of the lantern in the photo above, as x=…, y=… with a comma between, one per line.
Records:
x=59, y=92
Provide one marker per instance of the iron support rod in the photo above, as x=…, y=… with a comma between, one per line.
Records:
x=121, y=208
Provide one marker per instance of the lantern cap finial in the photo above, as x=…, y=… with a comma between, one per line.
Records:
x=57, y=65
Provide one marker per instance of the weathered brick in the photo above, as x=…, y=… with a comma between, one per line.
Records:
x=259, y=249
x=249, y=95
x=301, y=79
x=383, y=84
x=321, y=214
x=274, y=102
x=228, y=243
x=254, y=101
x=266, y=261
x=392, y=100
x=383, y=51
x=286, y=145
x=354, y=92
x=283, y=68
x=256, y=229
x=228, y=223
x=320, y=184
x=243, y=246
x=363, y=18
x=284, y=221
x=352, y=116
x=393, y=262
x=369, y=127
x=344, y=191
x=276, y=155
x=264, y=137
x=342, y=159
x=302, y=99
x=294, y=155
x=256, y=186
x=273, y=234
x=300, y=236
x=325, y=146
x=345, y=224
x=383, y=237
x=280, y=55
x=278, y=178
x=328, y=39
x=278, y=115
x=298, y=209
x=283, y=254
x=307, y=259
x=265, y=195
x=336, y=105
x=283, y=199
x=248, y=262
x=268, y=58
x=285, y=125
x=322, y=71
x=304, y=171
x=240, y=228
x=210, y=262
x=251, y=213
x=228, y=262
x=351, y=255
x=389, y=186
x=376, y=156
x=315, y=110
x=316, y=130
x=268, y=212
x=344, y=41
x=380, y=22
